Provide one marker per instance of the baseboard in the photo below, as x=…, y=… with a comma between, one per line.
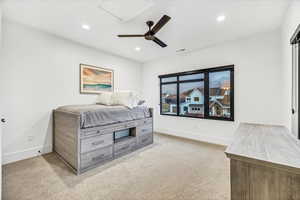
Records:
x=28, y=153
x=36, y=151
x=198, y=137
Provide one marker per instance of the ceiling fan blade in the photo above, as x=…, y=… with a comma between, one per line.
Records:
x=131, y=35
x=159, y=42
x=160, y=24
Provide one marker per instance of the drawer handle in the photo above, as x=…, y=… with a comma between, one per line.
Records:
x=98, y=131
x=98, y=143
x=144, y=130
x=124, y=148
x=144, y=140
x=98, y=157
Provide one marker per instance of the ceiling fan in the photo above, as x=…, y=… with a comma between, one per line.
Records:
x=150, y=35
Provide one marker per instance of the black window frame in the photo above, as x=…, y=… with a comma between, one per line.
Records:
x=295, y=40
x=206, y=90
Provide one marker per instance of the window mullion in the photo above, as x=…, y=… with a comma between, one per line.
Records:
x=178, y=96
x=160, y=96
x=206, y=95
x=232, y=94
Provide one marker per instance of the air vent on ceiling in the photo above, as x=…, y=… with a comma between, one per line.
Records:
x=180, y=50
x=125, y=10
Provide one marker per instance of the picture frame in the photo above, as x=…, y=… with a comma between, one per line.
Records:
x=95, y=80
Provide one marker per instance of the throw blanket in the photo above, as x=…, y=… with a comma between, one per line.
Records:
x=98, y=115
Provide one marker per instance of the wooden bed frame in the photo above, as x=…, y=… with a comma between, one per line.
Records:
x=84, y=149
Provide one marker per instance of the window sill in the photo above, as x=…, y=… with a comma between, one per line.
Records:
x=209, y=118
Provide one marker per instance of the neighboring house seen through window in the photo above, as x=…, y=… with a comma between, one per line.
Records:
x=206, y=93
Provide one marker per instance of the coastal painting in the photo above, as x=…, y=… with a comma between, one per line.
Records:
x=94, y=80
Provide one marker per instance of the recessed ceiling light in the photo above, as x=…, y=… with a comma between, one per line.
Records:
x=138, y=48
x=221, y=18
x=85, y=27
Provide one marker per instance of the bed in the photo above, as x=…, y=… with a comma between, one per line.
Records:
x=86, y=136
x=99, y=115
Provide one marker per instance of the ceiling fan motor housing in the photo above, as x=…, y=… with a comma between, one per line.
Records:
x=149, y=36
x=150, y=23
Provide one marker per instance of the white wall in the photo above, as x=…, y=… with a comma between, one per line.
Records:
x=258, y=89
x=291, y=21
x=38, y=73
x=0, y=112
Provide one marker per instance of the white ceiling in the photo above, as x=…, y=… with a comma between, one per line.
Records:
x=193, y=24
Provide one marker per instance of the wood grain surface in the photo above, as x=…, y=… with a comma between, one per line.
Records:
x=267, y=145
x=264, y=163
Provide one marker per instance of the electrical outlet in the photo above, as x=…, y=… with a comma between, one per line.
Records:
x=30, y=138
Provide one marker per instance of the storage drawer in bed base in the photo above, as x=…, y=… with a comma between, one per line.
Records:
x=84, y=149
x=96, y=157
x=125, y=147
x=96, y=142
x=144, y=130
x=145, y=140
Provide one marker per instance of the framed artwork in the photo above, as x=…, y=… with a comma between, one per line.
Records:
x=94, y=80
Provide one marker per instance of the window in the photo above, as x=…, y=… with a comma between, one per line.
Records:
x=189, y=91
x=219, y=90
x=206, y=93
x=171, y=79
x=169, y=99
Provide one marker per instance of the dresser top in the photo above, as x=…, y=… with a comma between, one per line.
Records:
x=266, y=145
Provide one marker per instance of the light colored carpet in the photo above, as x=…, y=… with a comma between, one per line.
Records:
x=170, y=169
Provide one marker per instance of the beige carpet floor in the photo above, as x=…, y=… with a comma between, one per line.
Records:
x=170, y=169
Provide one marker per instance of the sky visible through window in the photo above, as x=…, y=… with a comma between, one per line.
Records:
x=169, y=89
x=188, y=86
x=216, y=79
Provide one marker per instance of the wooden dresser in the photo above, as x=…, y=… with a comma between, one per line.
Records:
x=84, y=149
x=264, y=163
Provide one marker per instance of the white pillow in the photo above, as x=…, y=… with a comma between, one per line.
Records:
x=125, y=98
x=135, y=99
x=104, y=98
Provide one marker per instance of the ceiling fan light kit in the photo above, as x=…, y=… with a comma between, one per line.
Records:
x=150, y=34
